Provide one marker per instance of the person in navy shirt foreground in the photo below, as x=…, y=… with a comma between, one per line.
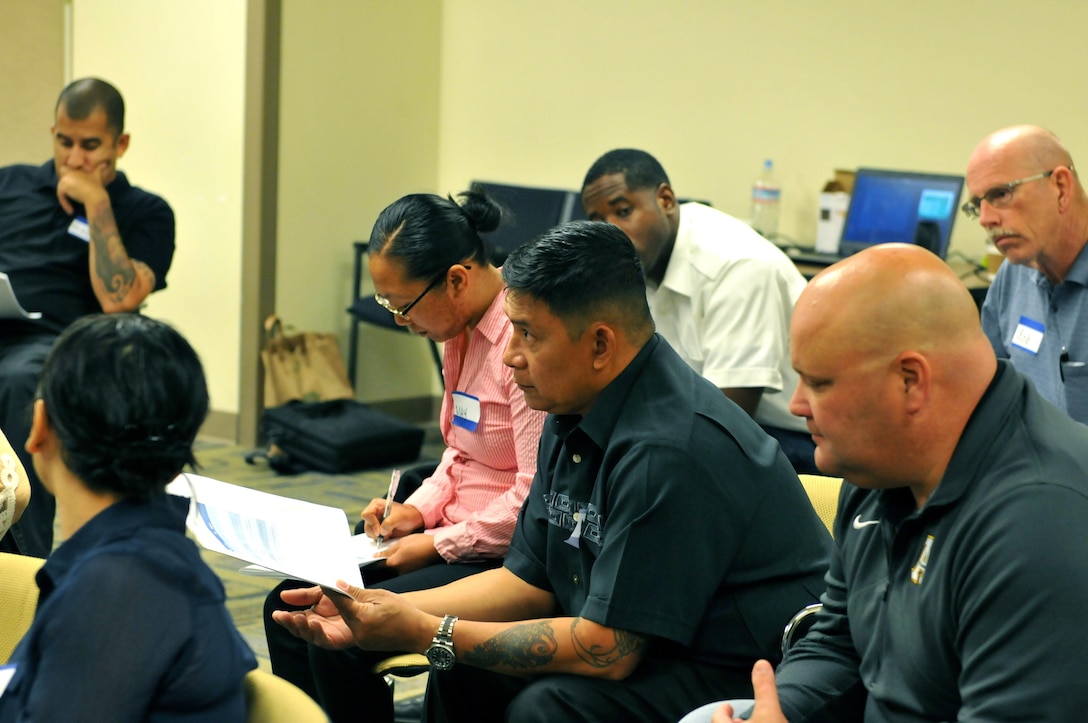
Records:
x=131, y=624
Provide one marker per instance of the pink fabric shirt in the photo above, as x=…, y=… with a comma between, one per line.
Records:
x=471, y=502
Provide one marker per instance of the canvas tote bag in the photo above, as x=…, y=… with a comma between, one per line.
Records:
x=306, y=366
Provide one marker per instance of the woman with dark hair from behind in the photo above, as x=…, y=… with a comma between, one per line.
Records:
x=433, y=272
x=131, y=624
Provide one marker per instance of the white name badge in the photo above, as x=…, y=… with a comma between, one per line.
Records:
x=466, y=411
x=1028, y=335
x=80, y=229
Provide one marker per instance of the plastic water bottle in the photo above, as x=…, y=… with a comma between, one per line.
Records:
x=765, y=200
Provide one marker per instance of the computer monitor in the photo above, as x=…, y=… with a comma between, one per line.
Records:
x=528, y=211
x=901, y=206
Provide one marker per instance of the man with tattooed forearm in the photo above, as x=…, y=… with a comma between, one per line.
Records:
x=664, y=543
x=75, y=239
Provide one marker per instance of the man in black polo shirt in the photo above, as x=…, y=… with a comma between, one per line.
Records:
x=957, y=587
x=75, y=239
x=664, y=543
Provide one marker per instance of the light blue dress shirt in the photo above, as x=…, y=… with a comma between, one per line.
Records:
x=1043, y=330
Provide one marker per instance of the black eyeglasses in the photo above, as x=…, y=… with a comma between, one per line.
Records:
x=403, y=311
x=999, y=196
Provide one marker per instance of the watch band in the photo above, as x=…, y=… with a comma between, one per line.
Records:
x=445, y=629
x=440, y=654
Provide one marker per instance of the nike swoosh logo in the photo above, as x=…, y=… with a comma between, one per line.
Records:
x=858, y=523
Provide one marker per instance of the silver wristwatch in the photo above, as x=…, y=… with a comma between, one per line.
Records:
x=440, y=654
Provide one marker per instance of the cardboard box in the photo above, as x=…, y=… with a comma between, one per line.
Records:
x=833, y=205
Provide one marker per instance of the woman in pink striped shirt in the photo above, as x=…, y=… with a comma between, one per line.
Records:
x=433, y=272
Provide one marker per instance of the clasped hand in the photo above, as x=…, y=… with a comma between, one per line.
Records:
x=82, y=187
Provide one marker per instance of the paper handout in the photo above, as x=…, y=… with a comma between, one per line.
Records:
x=364, y=547
x=297, y=539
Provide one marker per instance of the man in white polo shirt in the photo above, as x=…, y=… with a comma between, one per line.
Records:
x=720, y=294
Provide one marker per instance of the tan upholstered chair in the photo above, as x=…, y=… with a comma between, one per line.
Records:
x=823, y=493
x=18, y=599
x=274, y=700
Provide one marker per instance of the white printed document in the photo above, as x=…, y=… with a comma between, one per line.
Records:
x=365, y=549
x=297, y=539
x=10, y=308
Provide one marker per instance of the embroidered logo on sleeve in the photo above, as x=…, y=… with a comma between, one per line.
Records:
x=919, y=570
x=860, y=523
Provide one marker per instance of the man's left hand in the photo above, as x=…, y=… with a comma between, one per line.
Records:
x=412, y=552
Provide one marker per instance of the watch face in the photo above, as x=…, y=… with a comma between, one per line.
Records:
x=440, y=657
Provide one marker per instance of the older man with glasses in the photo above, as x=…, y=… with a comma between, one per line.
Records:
x=1027, y=196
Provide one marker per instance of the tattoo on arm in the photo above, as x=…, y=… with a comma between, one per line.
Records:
x=523, y=647
x=624, y=644
x=118, y=277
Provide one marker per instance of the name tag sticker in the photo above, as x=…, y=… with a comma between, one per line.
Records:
x=466, y=411
x=80, y=229
x=1028, y=335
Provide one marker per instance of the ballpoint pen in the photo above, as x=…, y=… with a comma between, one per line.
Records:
x=393, y=480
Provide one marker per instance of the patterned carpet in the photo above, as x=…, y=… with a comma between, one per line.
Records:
x=351, y=492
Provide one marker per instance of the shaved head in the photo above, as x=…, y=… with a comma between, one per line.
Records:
x=1025, y=146
x=889, y=298
x=892, y=361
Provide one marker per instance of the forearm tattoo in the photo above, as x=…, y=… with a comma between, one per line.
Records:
x=117, y=277
x=624, y=644
x=523, y=647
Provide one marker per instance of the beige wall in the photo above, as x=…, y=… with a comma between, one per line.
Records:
x=31, y=76
x=181, y=68
x=380, y=99
x=534, y=92
x=358, y=128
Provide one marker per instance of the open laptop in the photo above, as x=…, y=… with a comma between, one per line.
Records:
x=894, y=206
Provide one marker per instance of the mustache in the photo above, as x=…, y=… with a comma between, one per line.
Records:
x=996, y=233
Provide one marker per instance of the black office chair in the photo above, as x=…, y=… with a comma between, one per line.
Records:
x=366, y=309
x=528, y=211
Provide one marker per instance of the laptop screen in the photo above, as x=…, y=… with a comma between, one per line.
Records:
x=901, y=206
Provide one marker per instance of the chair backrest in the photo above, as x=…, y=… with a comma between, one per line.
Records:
x=528, y=211
x=799, y=625
x=274, y=700
x=823, y=493
x=18, y=599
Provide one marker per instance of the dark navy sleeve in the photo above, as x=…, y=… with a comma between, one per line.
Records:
x=526, y=557
x=119, y=613
x=146, y=226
